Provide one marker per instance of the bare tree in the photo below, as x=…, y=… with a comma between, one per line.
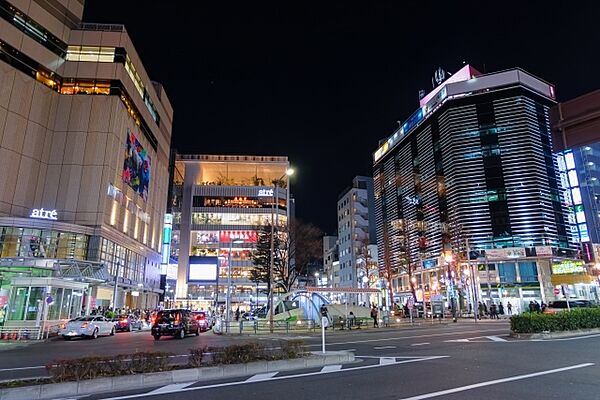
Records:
x=295, y=248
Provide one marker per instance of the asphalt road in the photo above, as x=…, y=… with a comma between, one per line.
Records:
x=455, y=361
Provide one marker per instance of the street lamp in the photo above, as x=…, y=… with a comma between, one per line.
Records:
x=228, y=297
x=274, y=220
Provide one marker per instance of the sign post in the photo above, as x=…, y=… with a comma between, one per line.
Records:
x=324, y=324
x=410, y=304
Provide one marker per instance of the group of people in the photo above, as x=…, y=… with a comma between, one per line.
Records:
x=494, y=311
x=534, y=306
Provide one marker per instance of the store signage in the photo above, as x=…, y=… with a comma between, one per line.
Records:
x=568, y=267
x=40, y=213
x=510, y=252
x=265, y=193
x=543, y=250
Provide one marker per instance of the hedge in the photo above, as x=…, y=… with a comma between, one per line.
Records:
x=577, y=318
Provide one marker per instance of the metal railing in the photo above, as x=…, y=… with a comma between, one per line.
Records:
x=21, y=333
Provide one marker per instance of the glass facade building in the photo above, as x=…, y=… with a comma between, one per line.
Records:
x=219, y=205
x=468, y=195
x=84, y=150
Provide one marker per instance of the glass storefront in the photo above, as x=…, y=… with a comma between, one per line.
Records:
x=28, y=242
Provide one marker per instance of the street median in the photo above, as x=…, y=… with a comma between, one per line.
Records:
x=73, y=378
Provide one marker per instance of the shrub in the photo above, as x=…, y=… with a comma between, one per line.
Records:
x=578, y=318
x=197, y=355
x=121, y=364
x=292, y=348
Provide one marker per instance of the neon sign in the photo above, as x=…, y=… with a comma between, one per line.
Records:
x=265, y=193
x=40, y=213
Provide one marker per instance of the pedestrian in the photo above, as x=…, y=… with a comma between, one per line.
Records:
x=543, y=307
x=237, y=314
x=531, y=306
x=485, y=309
x=374, y=316
x=509, y=308
x=480, y=309
x=501, y=309
x=493, y=311
x=537, y=306
x=351, y=320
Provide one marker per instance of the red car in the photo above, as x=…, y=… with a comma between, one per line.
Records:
x=203, y=320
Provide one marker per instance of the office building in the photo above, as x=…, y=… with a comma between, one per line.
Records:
x=84, y=147
x=220, y=204
x=356, y=230
x=331, y=273
x=469, y=203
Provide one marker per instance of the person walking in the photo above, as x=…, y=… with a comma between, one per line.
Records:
x=501, y=309
x=509, y=308
x=374, y=316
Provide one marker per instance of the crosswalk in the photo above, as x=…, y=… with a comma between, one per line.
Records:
x=478, y=339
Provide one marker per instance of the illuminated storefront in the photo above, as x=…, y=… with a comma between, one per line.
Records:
x=220, y=204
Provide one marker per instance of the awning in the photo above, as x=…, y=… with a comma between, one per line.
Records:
x=80, y=270
x=340, y=290
x=571, y=279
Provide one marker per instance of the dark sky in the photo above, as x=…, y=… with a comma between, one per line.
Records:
x=322, y=82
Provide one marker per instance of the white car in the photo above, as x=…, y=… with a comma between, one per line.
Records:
x=90, y=326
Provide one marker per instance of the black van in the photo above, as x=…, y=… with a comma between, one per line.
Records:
x=174, y=322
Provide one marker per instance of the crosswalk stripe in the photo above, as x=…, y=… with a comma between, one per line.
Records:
x=175, y=387
x=496, y=338
x=331, y=368
x=261, y=377
x=387, y=360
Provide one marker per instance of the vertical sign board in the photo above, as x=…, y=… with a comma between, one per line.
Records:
x=166, y=243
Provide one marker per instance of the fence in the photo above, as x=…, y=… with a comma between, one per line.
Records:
x=21, y=333
x=264, y=326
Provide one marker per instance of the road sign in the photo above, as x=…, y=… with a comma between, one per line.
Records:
x=556, y=290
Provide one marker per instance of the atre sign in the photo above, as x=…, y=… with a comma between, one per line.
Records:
x=40, y=213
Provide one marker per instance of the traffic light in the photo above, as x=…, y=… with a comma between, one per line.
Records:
x=323, y=310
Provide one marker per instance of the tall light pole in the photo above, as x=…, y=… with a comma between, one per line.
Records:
x=228, y=297
x=274, y=221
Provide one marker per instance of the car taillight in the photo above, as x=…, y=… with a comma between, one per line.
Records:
x=153, y=320
x=84, y=325
x=177, y=320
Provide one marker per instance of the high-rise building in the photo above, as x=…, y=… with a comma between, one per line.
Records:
x=84, y=145
x=356, y=230
x=471, y=176
x=330, y=262
x=576, y=130
x=220, y=204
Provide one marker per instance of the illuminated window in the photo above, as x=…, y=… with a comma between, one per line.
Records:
x=576, y=196
x=573, y=181
x=570, y=161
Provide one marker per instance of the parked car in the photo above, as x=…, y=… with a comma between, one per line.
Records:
x=204, y=322
x=561, y=305
x=90, y=326
x=249, y=316
x=127, y=323
x=174, y=322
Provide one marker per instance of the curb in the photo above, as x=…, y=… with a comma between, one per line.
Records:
x=140, y=381
x=555, y=335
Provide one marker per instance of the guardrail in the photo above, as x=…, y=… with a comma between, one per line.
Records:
x=21, y=333
x=263, y=326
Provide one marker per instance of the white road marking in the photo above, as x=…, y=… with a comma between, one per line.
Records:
x=331, y=368
x=237, y=383
x=496, y=339
x=175, y=387
x=420, y=344
x=560, y=339
x=261, y=377
x=457, y=341
x=495, y=382
x=384, y=347
x=404, y=337
x=21, y=368
x=387, y=360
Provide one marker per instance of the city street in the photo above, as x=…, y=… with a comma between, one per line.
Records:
x=466, y=360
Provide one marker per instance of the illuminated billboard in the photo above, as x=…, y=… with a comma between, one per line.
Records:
x=136, y=167
x=202, y=270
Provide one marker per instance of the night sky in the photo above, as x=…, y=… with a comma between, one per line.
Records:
x=323, y=83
